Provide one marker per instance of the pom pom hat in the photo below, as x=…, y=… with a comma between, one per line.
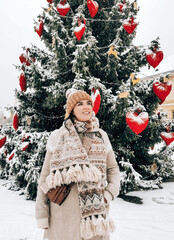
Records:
x=73, y=97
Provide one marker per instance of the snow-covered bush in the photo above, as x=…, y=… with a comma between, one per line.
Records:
x=21, y=159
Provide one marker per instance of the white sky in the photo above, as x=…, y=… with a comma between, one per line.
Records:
x=17, y=30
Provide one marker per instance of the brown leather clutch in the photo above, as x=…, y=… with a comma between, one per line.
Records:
x=59, y=194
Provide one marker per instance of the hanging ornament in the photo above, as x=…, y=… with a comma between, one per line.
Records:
x=24, y=146
x=123, y=94
x=53, y=41
x=121, y=6
x=111, y=51
x=162, y=90
x=40, y=29
x=167, y=137
x=134, y=81
x=137, y=122
x=28, y=121
x=22, y=82
x=25, y=137
x=50, y=8
x=24, y=59
x=2, y=140
x=93, y=7
x=11, y=115
x=50, y=1
x=30, y=56
x=15, y=121
x=79, y=31
x=63, y=7
x=154, y=167
x=154, y=57
x=129, y=25
x=168, y=128
x=96, y=100
x=135, y=5
x=12, y=155
x=5, y=152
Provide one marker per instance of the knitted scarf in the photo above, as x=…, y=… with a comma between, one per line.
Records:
x=85, y=165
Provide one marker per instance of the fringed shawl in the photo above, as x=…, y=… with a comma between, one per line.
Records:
x=86, y=166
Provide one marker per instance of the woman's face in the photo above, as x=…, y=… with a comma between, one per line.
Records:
x=83, y=110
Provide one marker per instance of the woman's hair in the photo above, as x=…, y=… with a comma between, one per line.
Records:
x=71, y=117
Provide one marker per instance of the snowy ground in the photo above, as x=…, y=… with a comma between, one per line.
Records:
x=153, y=220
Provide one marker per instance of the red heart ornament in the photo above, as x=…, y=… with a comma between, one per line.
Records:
x=162, y=90
x=79, y=31
x=96, y=100
x=137, y=122
x=40, y=29
x=129, y=25
x=121, y=7
x=167, y=137
x=63, y=8
x=93, y=7
x=23, y=59
x=2, y=141
x=15, y=121
x=22, y=82
x=154, y=58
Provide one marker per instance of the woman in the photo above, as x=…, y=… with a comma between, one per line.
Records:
x=78, y=152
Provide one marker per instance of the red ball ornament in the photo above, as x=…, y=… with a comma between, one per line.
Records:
x=2, y=140
x=96, y=100
x=23, y=59
x=167, y=137
x=162, y=90
x=50, y=1
x=93, y=7
x=15, y=121
x=63, y=7
x=154, y=58
x=129, y=25
x=40, y=29
x=137, y=122
x=79, y=31
x=22, y=82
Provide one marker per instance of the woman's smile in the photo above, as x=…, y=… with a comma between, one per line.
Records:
x=83, y=110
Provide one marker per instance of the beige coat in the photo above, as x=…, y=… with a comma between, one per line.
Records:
x=63, y=222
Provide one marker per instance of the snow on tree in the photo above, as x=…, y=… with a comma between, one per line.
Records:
x=94, y=51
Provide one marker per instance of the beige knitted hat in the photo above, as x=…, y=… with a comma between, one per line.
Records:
x=73, y=97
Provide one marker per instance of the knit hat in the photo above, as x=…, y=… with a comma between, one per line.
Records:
x=73, y=97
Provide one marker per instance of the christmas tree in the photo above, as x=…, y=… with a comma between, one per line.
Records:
x=89, y=46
